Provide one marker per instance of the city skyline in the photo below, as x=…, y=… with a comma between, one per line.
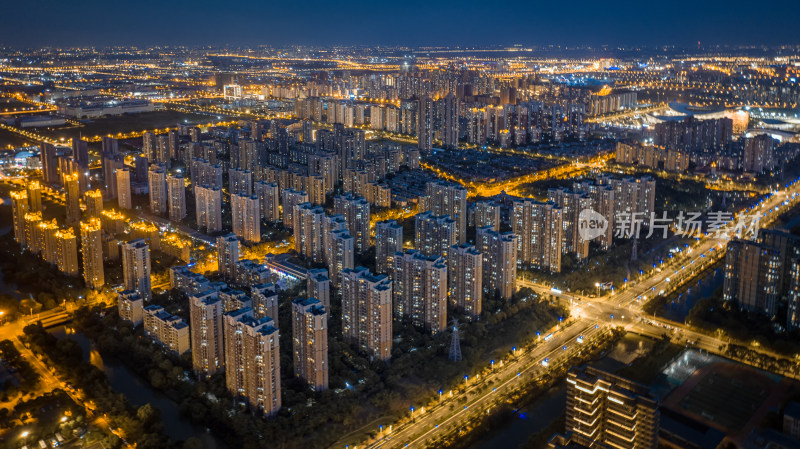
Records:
x=318, y=246
x=629, y=24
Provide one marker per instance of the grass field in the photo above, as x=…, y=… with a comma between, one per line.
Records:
x=127, y=123
x=13, y=140
x=10, y=104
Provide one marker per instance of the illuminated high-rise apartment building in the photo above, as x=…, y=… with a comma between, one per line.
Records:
x=420, y=290
x=318, y=285
x=445, y=198
x=341, y=254
x=388, y=241
x=367, y=312
x=176, y=193
x=130, y=307
x=310, y=342
x=157, y=185
x=240, y=181
x=205, y=325
x=124, y=198
x=604, y=410
x=434, y=235
x=602, y=202
x=487, y=213
x=309, y=233
x=264, y=299
x=451, y=114
x=425, y=123
x=571, y=205
x=539, y=227
x=19, y=208
x=49, y=243
x=289, y=199
x=269, y=199
x=136, y=267
x=252, y=361
x=227, y=255
x=34, y=190
x=72, y=195
x=246, y=217
x=355, y=211
x=465, y=279
x=499, y=252
x=92, y=253
x=168, y=330
x=94, y=202
x=208, y=208
x=67, y=251
x=32, y=232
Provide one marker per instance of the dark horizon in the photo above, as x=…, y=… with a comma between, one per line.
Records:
x=446, y=23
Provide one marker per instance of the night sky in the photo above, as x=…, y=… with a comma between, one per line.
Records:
x=415, y=22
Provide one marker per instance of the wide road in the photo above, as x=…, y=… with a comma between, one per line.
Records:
x=691, y=261
x=455, y=410
x=625, y=307
x=593, y=315
x=706, y=251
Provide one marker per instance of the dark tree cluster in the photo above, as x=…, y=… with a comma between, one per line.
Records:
x=141, y=425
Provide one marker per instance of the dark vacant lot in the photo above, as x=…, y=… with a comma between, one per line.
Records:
x=127, y=123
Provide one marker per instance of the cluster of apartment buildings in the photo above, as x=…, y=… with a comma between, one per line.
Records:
x=763, y=275
x=709, y=144
x=236, y=333
x=549, y=229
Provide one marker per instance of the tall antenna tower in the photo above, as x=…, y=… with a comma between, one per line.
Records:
x=455, y=344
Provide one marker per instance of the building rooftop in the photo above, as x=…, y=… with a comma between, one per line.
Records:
x=686, y=432
x=792, y=410
x=240, y=313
